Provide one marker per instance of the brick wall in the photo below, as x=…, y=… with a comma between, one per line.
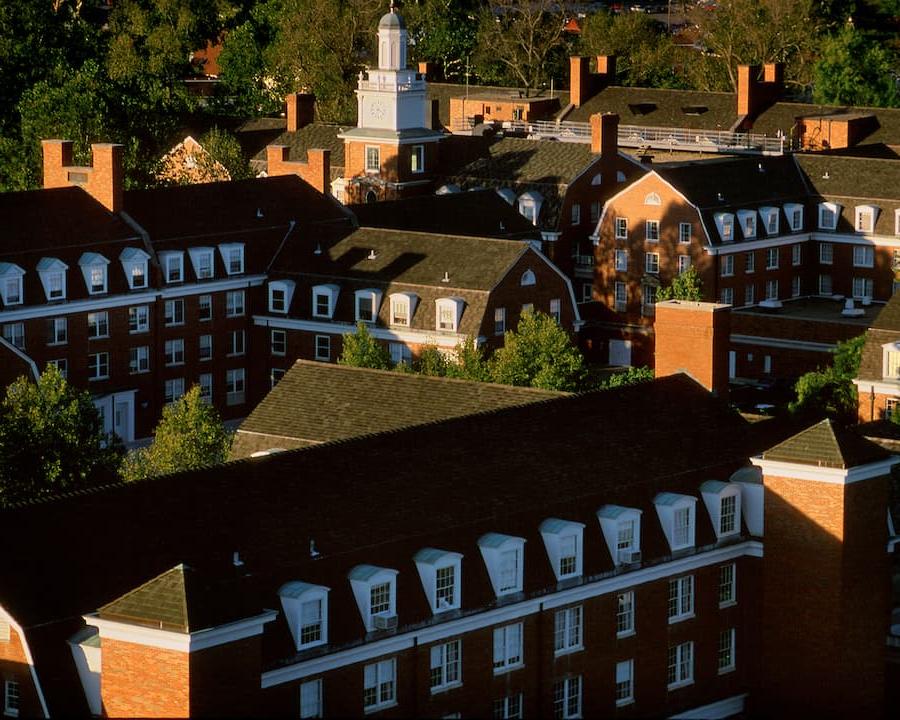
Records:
x=104, y=180
x=316, y=170
x=14, y=666
x=693, y=338
x=224, y=680
x=128, y=689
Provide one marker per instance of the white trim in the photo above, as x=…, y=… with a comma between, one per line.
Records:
x=746, y=246
x=831, y=476
x=25, y=358
x=509, y=612
x=881, y=388
x=207, y=287
x=4, y=615
x=780, y=343
x=181, y=642
x=443, y=339
x=714, y=711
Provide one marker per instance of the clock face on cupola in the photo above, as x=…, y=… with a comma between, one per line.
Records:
x=377, y=109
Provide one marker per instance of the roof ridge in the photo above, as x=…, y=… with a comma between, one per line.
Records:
x=435, y=235
x=179, y=567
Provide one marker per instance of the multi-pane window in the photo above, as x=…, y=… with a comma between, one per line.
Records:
x=827, y=218
x=275, y=374
x=624, y=682
x=727, y=267
x=311, y=699
x=204, y=265
x=684, y=232
x=234, y=303
x=567, y=698
x=507, y=647
x=863, y=288
x=380, y=684
x=576, y=214
x=235, y=260
x=749, y=294
x=796, y=220
x=772, y=223
x=795, y=286
x=446, y=665
x=174, y=350
x=279, y=342
x=595, y=212
x=277, y=299
x=236, y=342
x=98, y=366
x=625, y=613
x=652, y=230
x=138, y=277
x=499, y=321
x=681, y=598
x=568, y=555
x=98, y=325
x=826, y=253
x=648, y=297
x=863, y=256
x=587, y=292
x=509, y=570
x=726, y=296
x=139, y=359
x=446, y=317
x=567, y=630
x=555, y=311
x=400, y=311
x=621, y=297
x=727, y=588
x=417, y=159
x=380, y=598
x=772, y=258
x=97, y=274
x=445, y=586
x=59, y=331
x=14, y=334
x=728, y=515
x=865, y=220
x=204, y=307
x=727, y=229
x=174, y=267
x=311, y=622
x=796, y=254
x=508, y=708
x=205, y=383
x=365, y=307
x=682, y=534
x=205, y=347
x=11, y=698
x=621, y=260
x=56, y=285
x=174, y=312
x=321, y=304
x=824, y=284
x=323, y=347
x=771, y=289
x=749, y=262
x=621, y=228
x=625, y=535
x=400, y=353
x=684, y=263
x=726, y=650
x=681, y=664
x=373, y=158
x=234, y=386
x=651, y=263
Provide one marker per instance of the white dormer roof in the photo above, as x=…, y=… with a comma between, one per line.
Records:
x=725, y=226
x=428, y=561
x=507, y=194
x=667, y=506
x=131, y=255
x=610, y=518
x=497, y=550
x=713, y=491
x=91, y=258
x=51, y=264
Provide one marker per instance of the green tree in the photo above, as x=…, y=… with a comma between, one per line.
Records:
x=631, y=376
x=224, y=148
x=443, y=31
x=855, y=70
x=432, y=362
x=685, y=286
x=830, y=391
x=538, y=353
x=469, y=363
x=51, y=440
x=362, y=350
x=189, y=435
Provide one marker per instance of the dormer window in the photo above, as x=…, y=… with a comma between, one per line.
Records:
x=891, y=360
x=621, y=528
x=769, y=217
x=530, y=205
x=563, y=541
x=866, y=215
x=403, y=305
x=747, y=219
x=12, y=284
x=504, y=557
x=828, y=215
x=202, y=262
x=172, y=266
x=93, y=268
x=723, y=502
x=448, y=312
x=280, y=294
x=725, y=225
x=367, y=303
x=52, y=272
x=676, y=515
x=134, y=263
x=441, y=575
x=528, y=278
x=305, y=607
x=375, y=590
x=233, y=257
x=794, y=214
x=324, y=299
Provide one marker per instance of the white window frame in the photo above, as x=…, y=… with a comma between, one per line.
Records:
x=567, y=697
x=826, y=208
x=322, y=348
x=90, y=263
x=614, y=520
x=380, y=677
x=96, y=366
x=564, y=536
x=749, y=294
x=509, y=707
x=621, y=225
x=770, y=218
x=59, y=331
x=172, y=262
x=652, y=198
x=138, y=319
x=499, y=321
x=727, y=267
x=235, y=386
x=286, y=290
x=373, y=158
x=328, y=291
x=684, y=264
x=49, y=268
x=624, y=683
x=417, y=159
x=747, y=220
x=727, y=585
x=405, y=303
x=14, y=334
x=725, y=225
x=204, y=302
x=173, y=312
x=556, y=309
x=509, y=647
x=750, y=262
x=568, y=630
x=681, y=661
x=365, y=578
x=726, y=660
x=235, y=303
x=529, y=204
x=862, y=288
x=204, y=347
x=670, y=506
x=311, y=707
x=651, y=263
x=863, y=256
x=11, y=697
x=826, y=253
x=452, y=304
x=373, y=296
x=865, y=217
x=796, y=254
x=278, y=342
x=773, y=254
x=625, y=626
x=714, y=493
x=205, y=381
x=528, y=278
x=430, y=563
x=494, y=548
x=203, y=262
x=174, y=352
x=621, y=261
x=134, y=265
x=446, y=666
x=98, y=325
x=651, y=231
x=621, y=296
x=139, y=359
x=232, y=254
x=794, y=214
x=295, y=598
x=681, y=599
x=685, y=231
x=61, y=364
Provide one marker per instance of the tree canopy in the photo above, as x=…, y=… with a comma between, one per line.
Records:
x=51, y=440
x=685, y=286
x=830, y=391
x=360, y=349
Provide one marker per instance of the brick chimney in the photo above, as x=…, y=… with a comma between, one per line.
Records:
x=692, y=337
x=301, y=110
x=316, y=170
x=605, y=134
x=104, y=180
x=583, y=84
x=757, y=93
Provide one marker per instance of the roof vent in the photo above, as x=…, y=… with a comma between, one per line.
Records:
x=236, y=559
x=502, y=227
x=318, y=250
x=313, y=553
x=826, y=176
x=720, y=197
x=372, y=254
x=760, y=168
x=446, y=277
x=259, y=212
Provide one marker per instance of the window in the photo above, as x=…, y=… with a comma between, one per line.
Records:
x=503, y=556
x=683, y=530
x=508, y=708
x=749, y=294
x=795, y=286
x=445, y=587
x=684, y=263
x=499, y=321
x=11, y=279
x=14, y=334
x=652, y=231
x=93, y=269
x=625, y=536
x=621, y=228
x=587, y=292
x=652, y=199
x=576, y=214
x=323, y=347
x=684, y=233
x=771, y=289
x=748, y=223
x=311, y=699
x=62, y=365
x=417, y=159
x=279, y=342
x=401, y=309
x=373, y=158
x=380, y=684
x=865, y=218
x=98, y=325
x=367, y=302
x=749, y=262
x=311, y=624
x=448, y=312
x=595, y=212
x=621, y=260
x=794, y=214
x=727, y=268
x=204, y=308
x=567, y=698
x=234, y=386
x=174, y=351
x=134, y=264
x=863, y=256
x=567, y=630
x=648, y=298
x=510, y=580
x=527, y=278
x=98, y=366
x=681, y=665
x=11, y=698
x=772, y=259
x=728, y=515
x=174, y=312
x=681, y=598
x=234, y=303
x=446, y=665
x=825, y=285
x=621, y=297
x=826, y=253
x=138, y=319
x=233, y=257
x=277, y=298
x=204, y=351
x=139, y=360
x=862, y=288
x=771, y=218
x=173, y=266
x=725, y=222
x=651, y=263
x=507, y=647
x=52, y=272
x=202, y=260
x=625, y=614
x=828, y=213
x=624, y=682
x=236, y=343
x=726, y=651
x=400, y=353
x=58, y=331
x=568, y=556
x=796, y=254
x=727, y=585
x=275, y=374
x=205, y=382
x=324, y=298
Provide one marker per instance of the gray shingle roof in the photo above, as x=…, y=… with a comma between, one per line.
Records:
x=826, y=445
x=662, y=108
x=314, y=136
x=782, y=116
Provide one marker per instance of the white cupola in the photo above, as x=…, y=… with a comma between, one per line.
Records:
x=392, y=41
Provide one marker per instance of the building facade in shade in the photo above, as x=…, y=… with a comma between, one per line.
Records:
x=878, y=379
x=519, y=577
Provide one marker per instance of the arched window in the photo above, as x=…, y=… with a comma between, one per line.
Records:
x=652, y=199
x=598, y=178
x=528, y=278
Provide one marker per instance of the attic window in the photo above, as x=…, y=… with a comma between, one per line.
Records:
x=441, y=575
x=528, y=278
x=563, y=541
x=504, y=557
x=448, y=311
x=676, y=515
x=828, y=215
x=652, y=199
x=723, y=502
x=134, y=264
x=694, y=109
x=375, y=590
x=891, y=361
x=93, y=268
x=367, y=303
x=644, y=108
x=280, y=294
x=12, y=286
x=402, y=307
x=305, y=607
x=53, y=277
x=621, y=528
x=202, y=260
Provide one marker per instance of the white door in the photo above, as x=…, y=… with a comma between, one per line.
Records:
x=620, y=352
x=732, y=364
x=122, y=421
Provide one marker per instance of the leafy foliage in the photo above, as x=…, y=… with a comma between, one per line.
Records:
x=470, y=363
x=190, y=435
x=854, y=69
x=362, y=350
x=224, y=148
x=631, y=376
x=432, y=362
x=685, y=286
x=830, y=391
x=444, y=31
x=51, y=440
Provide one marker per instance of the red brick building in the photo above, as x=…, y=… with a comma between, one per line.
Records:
x=500, y=583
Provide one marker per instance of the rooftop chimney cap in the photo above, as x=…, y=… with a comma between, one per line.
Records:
x=372, y=254
x=446, y=277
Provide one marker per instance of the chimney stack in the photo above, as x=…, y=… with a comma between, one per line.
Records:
x=316, y=170
x=583, y=84
x=692, y=337
x=757, y=92
x=104, y=180
x=605, y=134
x=301, y=110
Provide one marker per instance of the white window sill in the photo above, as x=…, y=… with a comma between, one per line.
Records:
x=323, y=359
x=205, y=359
x=174, y=324
x=508, y=668
x=11, y=713
x=236, y=315
x=377, y=708
x=98, y=379
x=681, y=618
x=725, y=671
x=568, y=651
x=203, y=319
x=438, y=689
x=680, y=684
x=626, y=634
x=625, y=702
x=57, y=344
x=233, y=355
x=277, y=354
x=98, y=337
x=139, y=372
x=727, y=604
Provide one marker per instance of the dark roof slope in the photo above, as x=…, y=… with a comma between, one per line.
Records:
x=885, y=329
x=852, y=177
x=316, y=135
x=826, y=445
x=783, y=115
x=318, y=402
x=662, y=108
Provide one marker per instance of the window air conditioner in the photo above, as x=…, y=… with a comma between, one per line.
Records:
x=629, y=557
x=384, y=622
